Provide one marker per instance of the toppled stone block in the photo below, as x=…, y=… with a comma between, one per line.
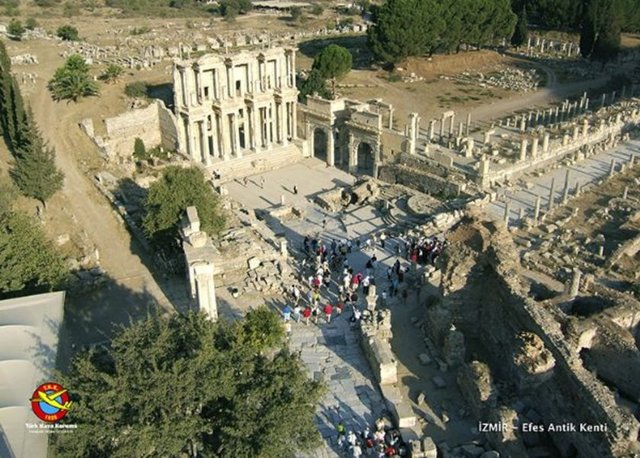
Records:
x=429, y=448
x=254, y=263
x=424, y=358
x=420, y=399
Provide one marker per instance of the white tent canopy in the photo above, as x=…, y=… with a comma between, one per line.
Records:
x=28, y=345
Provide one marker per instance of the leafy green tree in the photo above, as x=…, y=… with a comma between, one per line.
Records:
x=28, y=263
x=170, y=196
x=15, y=29
x=317, y=9
x=68, y=33
x=137, y=89
x=296, y=13
x=35, y=172
x=8, y=194
x=31, y=24
x=333, y=62
x=112, y=73
x=72, y=81
x=601, y=18
x=314, y=84
x=405, y=28
x=139, y=150
x=185, y=386
x=521, y=33
x=231, y=8
x=607, y=45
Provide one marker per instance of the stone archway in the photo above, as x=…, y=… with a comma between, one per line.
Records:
x=365, y=157
x=320, y=144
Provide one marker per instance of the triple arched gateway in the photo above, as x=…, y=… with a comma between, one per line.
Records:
x=349, y=134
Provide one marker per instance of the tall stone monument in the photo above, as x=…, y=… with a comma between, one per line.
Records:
x=199, y=254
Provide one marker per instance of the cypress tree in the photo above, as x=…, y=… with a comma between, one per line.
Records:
x=35, y=172
x=521, y=32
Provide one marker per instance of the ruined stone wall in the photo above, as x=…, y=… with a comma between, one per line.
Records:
x=122, y=130
x=418, y=175
x=168, y=128
x=490, y=291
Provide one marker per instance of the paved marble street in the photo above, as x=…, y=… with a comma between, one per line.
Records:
x=331, y=351
x=581, y=174
x=332, y=354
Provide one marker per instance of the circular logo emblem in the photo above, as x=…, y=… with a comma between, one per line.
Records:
x=50, y=402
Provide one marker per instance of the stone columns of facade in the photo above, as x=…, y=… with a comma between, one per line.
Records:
x=523, y=149
x=534, y=148
x=190, y=146
x=576, y=133
x=551, y=193
x=204, y=143
x=294, y=120
x=442, y=127
x=281, y=124
x=236, y=135
x=468, y=125
x=200, y=86
x=353, y=159
x=585, y=128
x=183, y=85
x=460, y=129
x=226, y=140
x=331, y=153
x=536, y=211
x=523, y=124
x=390, y=126
x=451, y=124
x=612, y=169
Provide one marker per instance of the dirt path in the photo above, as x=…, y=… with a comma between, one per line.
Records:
x=59, y=125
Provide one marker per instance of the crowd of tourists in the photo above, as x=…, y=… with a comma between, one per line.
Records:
x=330, y=287
x=380, y=442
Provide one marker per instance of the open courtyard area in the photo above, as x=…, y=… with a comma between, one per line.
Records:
x=309, y=229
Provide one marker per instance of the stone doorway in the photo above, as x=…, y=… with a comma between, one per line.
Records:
x=320, y=144
x=366, y=159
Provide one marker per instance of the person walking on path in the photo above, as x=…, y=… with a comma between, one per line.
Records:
x=324, y=222
x=295, y=189
x=306, y=314
x=341, y=434
x=286, y=313
x=328, y=310
x=262, y=182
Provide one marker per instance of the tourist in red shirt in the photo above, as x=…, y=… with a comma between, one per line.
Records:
x=328, y=310
x=306, y=313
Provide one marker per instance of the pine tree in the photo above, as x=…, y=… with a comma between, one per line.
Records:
x=27, y=260
x=521, y=33
x=185, y=386
x=35, y=172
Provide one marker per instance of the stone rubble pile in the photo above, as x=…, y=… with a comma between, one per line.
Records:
x=24, y=59
x=509, y=78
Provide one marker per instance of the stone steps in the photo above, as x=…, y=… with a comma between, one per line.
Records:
x=255, y=163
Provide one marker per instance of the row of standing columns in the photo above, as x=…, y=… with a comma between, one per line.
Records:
x=218, y=136
x=566, y=191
